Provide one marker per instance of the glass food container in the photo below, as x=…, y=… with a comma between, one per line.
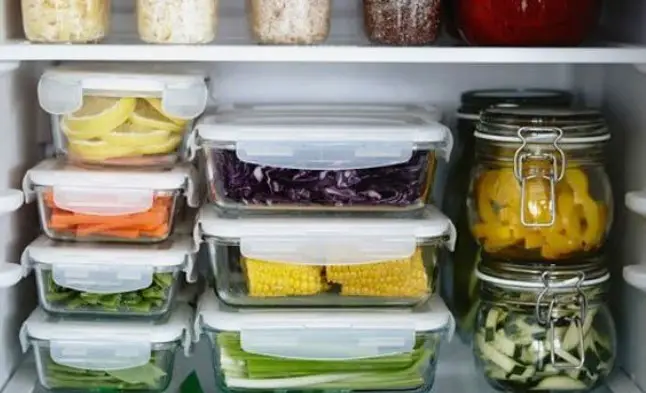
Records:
x=544, y=329
x=282, y=260
x=177, y=21
x=116, y=115
x=402, y=22
x=539, y=189
x=314, y=351
x=90, y=355
x=70, y=21
x=109, y=280
x=464, y=260
x=352, y=161
x=526, y=23
x=300, y=22
x=109, y=206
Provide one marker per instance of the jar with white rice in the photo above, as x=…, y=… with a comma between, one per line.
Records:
x=177, y=21
x=295, y=22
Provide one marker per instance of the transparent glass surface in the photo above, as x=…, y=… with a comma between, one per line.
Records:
x=402, y=22
x=291, y=22
x=69, y=21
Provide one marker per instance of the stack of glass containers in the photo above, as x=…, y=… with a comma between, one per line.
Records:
x=116, y=245
x=540, y=206
x=318, y=231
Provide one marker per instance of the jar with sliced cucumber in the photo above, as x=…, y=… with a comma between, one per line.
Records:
x=544, y=330
x=539, y=189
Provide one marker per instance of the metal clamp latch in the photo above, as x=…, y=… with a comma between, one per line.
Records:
x=553, y=320
x=558, y=165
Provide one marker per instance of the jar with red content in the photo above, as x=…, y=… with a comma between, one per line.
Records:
x=526, y=22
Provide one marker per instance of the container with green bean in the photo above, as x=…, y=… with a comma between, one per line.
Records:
x=109, y=280
x=82, y=355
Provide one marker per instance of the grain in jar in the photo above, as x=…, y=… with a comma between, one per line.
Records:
x=402, y=22
x=303, y=22
x=177, y=21
x=66, y=21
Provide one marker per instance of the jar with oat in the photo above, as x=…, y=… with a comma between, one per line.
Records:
x=294, y=22
x=402, y=22
x=177, y=21
x=66, y=21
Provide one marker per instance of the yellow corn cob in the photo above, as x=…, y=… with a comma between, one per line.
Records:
x=395, y=278
x=269, y=279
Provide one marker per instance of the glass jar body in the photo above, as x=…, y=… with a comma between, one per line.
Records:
x=513, y=344
x=402, y=22
x=526, y=23
x=549, y=207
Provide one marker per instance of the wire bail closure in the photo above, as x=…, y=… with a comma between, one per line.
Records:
x=557, y=171
x=549, y=319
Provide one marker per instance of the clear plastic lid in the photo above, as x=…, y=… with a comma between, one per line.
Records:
x=424, y=111
x=105, y=344
x=326, y=240
x=324, y=334
x=110, y=268
x=323, y=140
x=183, y=93
x=122, y=191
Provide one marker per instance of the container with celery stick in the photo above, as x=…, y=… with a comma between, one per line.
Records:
x=83, y=355
x=316, y=350
x=109, y=280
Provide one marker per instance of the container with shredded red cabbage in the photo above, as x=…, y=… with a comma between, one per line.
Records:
x=235, y=182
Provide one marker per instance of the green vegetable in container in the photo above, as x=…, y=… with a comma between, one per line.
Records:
x=145, y=378
x=243, y=370
x=514, y=350
x=143, y=301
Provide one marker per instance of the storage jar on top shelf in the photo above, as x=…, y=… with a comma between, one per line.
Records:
x=402, y=22
x=467, y=250
x=70, y=21
x=290, y=21
x=539, y=189
x=177, y=21
x=527, y=22
x=544, y=329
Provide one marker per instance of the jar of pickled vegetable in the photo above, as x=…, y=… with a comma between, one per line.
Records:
x=464, y=259
x=544, y=330
x=539, y=189
x=526, y=22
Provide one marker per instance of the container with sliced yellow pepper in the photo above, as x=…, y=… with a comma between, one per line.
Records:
x=324, y=261
x=539, y=189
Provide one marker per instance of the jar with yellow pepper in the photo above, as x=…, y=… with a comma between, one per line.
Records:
x=539, y=189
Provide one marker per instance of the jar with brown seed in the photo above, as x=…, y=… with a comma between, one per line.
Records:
x=402, y=22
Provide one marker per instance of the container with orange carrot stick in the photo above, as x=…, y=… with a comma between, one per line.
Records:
x=109, y=205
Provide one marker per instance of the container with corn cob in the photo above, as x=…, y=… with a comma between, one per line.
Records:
x=286, y=260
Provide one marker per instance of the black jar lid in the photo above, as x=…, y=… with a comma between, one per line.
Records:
x=590, y=271
x=542, y=125
x=474, y=101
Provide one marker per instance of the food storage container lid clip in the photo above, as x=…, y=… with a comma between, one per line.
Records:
x=61, y=90
x=113, y=192
x=332, y=142
x=321, y=335
x=105, y=345
x=329, y=241
x=10, y=273
x=110, y=268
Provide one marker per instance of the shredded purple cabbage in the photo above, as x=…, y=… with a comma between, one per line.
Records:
x=240, y=182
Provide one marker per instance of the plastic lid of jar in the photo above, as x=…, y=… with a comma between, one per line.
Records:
x=585, y=272
x=542, y=126
x=476, y=100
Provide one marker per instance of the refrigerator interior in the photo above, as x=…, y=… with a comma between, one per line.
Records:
x=619, y=89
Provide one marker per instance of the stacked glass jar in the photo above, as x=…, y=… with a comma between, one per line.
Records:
x=540, y=206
